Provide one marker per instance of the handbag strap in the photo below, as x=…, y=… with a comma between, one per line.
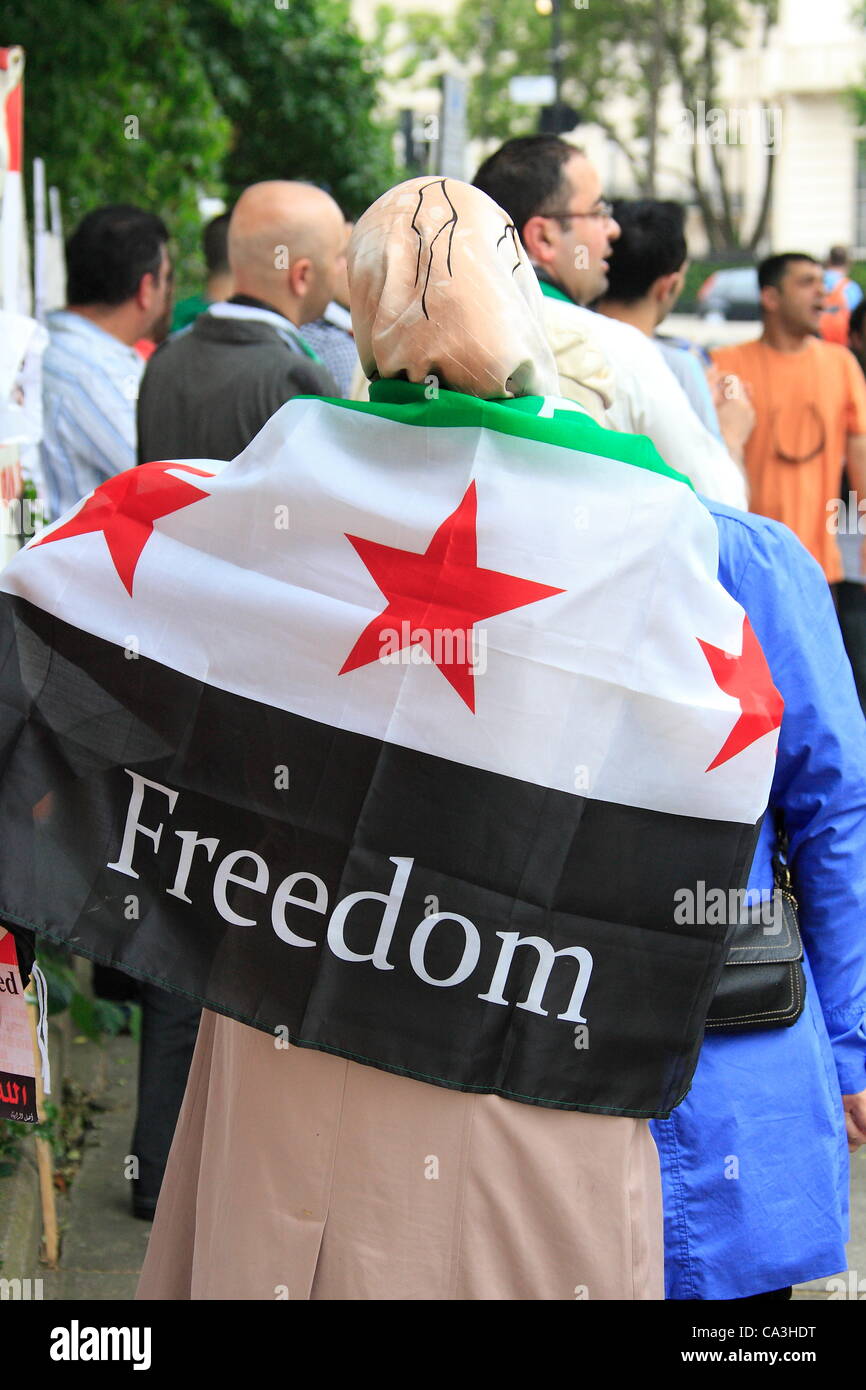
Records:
x=781, y=870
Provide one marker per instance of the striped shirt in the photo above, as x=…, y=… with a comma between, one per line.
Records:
x=90, y=383
x=332, y=338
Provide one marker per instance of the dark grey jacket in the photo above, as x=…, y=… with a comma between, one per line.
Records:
x=209, y=390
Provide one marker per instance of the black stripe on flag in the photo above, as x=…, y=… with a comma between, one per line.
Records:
x=197, y=839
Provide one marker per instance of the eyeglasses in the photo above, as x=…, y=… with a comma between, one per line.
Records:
x=604, y=212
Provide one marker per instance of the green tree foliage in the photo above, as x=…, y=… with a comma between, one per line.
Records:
x=610, y=49
x=92, y=65
x=299, y=87
x=221, y=93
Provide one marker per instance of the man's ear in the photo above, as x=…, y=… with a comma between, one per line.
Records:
x=537, y=242
x=662, y=287
x=300, y=274
x=144, y=293
x=770, y=299
x=668, y=288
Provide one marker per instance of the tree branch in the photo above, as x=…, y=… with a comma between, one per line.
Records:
x=764, y=212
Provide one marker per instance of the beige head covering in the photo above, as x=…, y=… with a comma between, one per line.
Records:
x=441, y=286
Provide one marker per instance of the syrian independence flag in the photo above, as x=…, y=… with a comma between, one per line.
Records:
x=396, y=737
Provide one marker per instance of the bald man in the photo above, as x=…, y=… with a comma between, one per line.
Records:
x=209, y=390
x=205, y=394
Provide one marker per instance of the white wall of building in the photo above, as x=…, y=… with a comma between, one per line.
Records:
x=813, y=200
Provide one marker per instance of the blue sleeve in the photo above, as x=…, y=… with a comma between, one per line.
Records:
x=820, y=781
x=853, y=294
x=703, y=397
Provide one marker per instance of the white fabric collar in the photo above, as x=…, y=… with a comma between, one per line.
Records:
x=247, y=311
x=338, y=316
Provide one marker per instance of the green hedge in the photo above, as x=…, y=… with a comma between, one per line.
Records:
x=858, y=273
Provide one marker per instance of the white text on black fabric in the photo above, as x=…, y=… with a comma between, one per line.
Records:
x=257, y=879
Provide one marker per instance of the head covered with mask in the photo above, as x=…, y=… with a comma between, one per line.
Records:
x=441, y=286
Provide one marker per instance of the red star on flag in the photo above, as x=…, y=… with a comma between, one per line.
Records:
x=125, y=508
x=747, y=677
x=434, y=599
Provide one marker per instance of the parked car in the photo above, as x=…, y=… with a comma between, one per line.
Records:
x=730, y=294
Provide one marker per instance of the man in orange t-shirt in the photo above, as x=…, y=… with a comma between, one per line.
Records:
x=810, y=401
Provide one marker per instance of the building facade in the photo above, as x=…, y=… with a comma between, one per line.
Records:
x=782, y=97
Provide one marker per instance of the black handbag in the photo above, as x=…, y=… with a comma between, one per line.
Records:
x=762, y=984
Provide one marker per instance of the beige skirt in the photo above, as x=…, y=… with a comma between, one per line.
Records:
x=295, y=1174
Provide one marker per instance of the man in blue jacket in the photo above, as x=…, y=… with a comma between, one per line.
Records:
x=754, y=1161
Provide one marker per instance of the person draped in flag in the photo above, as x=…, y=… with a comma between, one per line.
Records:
x=393, y=739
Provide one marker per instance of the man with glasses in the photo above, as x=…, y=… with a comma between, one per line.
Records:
x=553, y=194
x=810, y=400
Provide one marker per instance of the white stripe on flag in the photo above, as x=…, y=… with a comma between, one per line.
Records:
x=587, y=691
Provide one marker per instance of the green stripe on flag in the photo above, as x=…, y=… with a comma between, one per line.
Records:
x=406, y=403
x=554, y=292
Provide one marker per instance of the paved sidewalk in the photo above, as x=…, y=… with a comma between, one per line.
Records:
x=103, y=1244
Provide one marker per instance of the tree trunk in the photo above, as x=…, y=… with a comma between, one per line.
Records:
x=655, y=88
x=712, y=225
x=686, y=83
x=729, y=231
x=766, y=200
x=634, y=163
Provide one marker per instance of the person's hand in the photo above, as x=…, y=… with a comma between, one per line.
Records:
x=855, y=1120
x=735, y=411
x=715, y=379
